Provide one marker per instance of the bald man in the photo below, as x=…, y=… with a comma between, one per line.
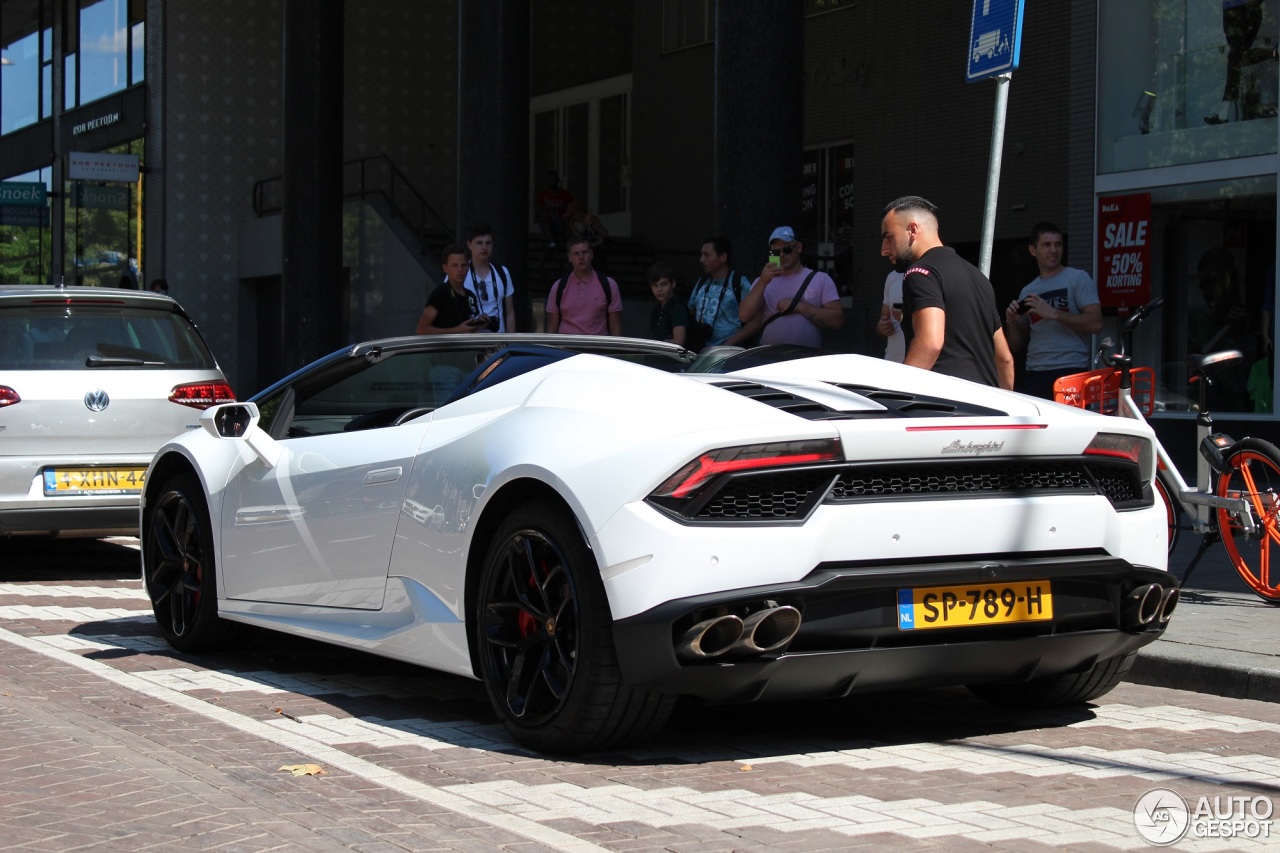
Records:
x=949, y=313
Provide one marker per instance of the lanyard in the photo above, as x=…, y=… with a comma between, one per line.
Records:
x=702, y=303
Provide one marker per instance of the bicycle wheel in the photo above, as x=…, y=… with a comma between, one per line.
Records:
x=1254, y=474
x=1170, y=510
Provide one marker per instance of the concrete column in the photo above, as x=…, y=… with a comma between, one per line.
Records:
x=154, y=181
x=312, y=310
x=493, y=131
x=57, y=174
x=759, y=123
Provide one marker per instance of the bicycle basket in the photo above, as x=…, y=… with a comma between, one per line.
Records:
x=1099, y=390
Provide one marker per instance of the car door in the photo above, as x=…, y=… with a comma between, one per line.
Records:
x=317, y=528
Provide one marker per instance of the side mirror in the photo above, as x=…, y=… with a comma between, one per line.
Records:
x=233, y=420
x=239, y=422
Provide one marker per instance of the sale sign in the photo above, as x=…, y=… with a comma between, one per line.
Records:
x=1124, y=250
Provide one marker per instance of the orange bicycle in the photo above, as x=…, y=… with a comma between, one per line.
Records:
x=1236, y=499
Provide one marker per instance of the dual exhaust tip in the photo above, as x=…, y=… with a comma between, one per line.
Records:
x=766, y=630
x=773, y=627
x=1147, y=605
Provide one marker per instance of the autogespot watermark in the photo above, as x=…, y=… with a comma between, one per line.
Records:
x=1163, y=817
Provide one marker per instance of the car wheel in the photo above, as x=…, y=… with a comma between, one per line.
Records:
x=178, y=568
x=545, y=640
x=1067, y=689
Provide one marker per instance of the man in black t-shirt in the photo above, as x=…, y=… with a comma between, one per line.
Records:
x=451, y=308
x=949, y=313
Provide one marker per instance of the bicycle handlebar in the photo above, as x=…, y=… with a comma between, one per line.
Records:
x=1139, y=314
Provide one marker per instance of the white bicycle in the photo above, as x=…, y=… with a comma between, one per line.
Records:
x=1236, y=498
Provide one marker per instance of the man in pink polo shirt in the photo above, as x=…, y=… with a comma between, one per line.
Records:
x=584, y=302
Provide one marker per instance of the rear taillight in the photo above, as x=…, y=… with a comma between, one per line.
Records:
x=686, y=482
x=1132, y=448
x=8, y=396
x=202, y=395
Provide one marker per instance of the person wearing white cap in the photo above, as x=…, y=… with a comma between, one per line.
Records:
x=794, y=302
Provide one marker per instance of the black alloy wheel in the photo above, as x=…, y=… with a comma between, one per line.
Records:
x=545, y=640
x=179, y=567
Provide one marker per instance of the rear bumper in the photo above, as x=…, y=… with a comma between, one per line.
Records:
x=84, y=520
x=849, y=640
x=25, y=508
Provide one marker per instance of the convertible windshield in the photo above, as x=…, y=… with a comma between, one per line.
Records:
x=381, y=386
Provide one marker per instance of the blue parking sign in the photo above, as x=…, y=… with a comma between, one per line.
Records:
x=995, y=38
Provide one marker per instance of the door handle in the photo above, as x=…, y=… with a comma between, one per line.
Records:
x=383, y=475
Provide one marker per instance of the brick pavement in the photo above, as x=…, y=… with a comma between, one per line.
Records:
x=1222, y=639
x=109, y=739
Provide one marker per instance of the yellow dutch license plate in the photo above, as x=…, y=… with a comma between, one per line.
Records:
x=974, y=604
x=93, y=481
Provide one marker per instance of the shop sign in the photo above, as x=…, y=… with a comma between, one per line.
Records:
x=842, y=200
x=96, y=122
x=102, y=198
x=27, y=217
x=90, y=166
x=1124, y=250
x=811, y=184
x=22, y=194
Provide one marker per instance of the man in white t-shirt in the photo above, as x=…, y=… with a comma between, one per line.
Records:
x=890, y=325
x=490, y=282
x=1053, y=316
x=793, y=302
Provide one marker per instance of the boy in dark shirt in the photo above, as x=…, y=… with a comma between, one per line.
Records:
x=451, y=308
x=669, y=320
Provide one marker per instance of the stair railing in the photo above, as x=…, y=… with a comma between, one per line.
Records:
x=369, y=176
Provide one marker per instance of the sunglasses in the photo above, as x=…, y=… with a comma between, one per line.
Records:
x=783, y=250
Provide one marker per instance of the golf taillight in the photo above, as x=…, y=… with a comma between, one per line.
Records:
x=8, y=396
x=202, y=395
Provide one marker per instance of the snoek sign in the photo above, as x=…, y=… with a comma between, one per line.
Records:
x=102, y=198
x=22, y=194
x=1124, y=250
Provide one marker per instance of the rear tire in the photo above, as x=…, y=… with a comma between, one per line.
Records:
x=1070, y=688
x=545, y=641
x=1254, y=474
x=179, y=571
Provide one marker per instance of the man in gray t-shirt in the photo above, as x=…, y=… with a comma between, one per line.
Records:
x=1053, y=316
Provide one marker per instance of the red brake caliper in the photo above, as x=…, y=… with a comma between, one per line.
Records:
x=524, y=621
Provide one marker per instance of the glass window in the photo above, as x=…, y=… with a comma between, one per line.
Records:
x=817, y=7
x=685, y=23
x=1213, y=253
x=69, y=71
x=137, y=59
x=104, y=48
x=1186, y=81
x=74, y=337
x=24, y=237
x=20, y=73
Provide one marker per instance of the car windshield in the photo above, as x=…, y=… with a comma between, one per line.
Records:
x=84, y=337
x=375, y=390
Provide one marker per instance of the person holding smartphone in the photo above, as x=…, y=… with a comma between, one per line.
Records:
x=793, y=302
x=451, y=308
x=1053, y=316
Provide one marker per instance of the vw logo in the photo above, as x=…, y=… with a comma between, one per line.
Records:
x=96, y=401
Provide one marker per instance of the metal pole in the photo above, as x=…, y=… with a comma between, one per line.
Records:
x=993, y=172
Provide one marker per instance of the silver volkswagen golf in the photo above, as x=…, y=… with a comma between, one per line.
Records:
x=92, y=382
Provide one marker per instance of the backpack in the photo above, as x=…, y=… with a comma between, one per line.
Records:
x=604, y=284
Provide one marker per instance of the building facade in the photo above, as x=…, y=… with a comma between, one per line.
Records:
x=673, y=121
